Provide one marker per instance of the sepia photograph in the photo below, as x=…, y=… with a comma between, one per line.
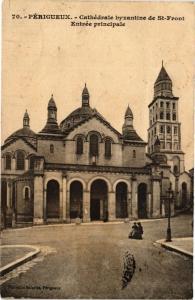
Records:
x=97, y=173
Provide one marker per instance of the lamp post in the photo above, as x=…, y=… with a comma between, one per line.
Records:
x=169, y=196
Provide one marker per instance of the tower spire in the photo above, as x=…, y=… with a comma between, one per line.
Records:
x=163, y=84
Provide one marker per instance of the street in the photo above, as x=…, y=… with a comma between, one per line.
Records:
x=86, y=261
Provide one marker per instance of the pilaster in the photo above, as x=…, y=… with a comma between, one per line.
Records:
x=86, y=206
x=64, y=194
x=111, y=206
x=134, y=198
x=38, y=200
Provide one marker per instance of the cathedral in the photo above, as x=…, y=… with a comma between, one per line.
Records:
x=84, y=169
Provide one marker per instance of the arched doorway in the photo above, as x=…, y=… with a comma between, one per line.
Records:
x=121, y=200
x=76, y=200
x=184, y=194
x=99, y=200
x=53, y=201
x=142, y=200
x=3, y=202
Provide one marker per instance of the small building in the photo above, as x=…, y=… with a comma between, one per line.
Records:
x=84, y=168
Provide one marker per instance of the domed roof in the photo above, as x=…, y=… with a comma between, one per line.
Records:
x=76, y=116
x=25, y=132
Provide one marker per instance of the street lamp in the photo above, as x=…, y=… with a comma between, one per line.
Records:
x=169, y=197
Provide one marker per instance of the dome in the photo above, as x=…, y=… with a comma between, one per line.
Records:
x=25, y=132
x=76, y=116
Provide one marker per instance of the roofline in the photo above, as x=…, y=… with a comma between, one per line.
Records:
x=17, y=138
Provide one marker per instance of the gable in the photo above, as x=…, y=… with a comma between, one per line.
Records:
x=95, y=124
x=18, y=144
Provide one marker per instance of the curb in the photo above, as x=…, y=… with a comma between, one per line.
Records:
x=175, y=249
x=9, y=267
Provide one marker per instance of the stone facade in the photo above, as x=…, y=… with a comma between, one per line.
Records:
x=84, y=168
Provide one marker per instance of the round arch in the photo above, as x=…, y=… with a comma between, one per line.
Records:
x=122, y=180
x=76, y=179
x=20, y=150
x=79, y=135
x=96, y=133
x=51, y=178
x=101, y=178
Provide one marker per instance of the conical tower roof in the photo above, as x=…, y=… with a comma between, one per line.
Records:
x=128, y=112
x=163, y=75
x=85, y=90
x=51, y=103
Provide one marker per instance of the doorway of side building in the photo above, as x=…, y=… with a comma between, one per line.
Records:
x=99, y=200
x=142, y=201
x=76, y=200
x=121, y=200
x=53, y=200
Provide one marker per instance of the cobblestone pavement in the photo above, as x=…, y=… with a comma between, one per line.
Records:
x=87, y=262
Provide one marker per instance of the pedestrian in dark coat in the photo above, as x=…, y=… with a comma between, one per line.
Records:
x=140, y=230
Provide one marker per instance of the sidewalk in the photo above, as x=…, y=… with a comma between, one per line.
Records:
x=13, y=256
x=179, y=245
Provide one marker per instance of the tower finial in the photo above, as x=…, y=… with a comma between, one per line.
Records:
x=162, y=63
x=26, y=119
x=85, y=96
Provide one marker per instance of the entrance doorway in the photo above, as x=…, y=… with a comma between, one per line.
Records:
x=142, y=201
x=99, y=200
x=76, y=200
x=53, y=201
x=121, y=200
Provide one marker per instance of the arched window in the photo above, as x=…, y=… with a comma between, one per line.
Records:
x=79, y=145
x=175, y=130
x=108, y=148
x=20, y=160
x=27, y=193
x=161, y=104
x=51, y=148
x=8, y=162
x=167, y=104
x=94, y=145
x=134, y=154
x=161, y=129
x=173, y=105
x=161, y=115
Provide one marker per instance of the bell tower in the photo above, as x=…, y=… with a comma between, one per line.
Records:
x=164, y=122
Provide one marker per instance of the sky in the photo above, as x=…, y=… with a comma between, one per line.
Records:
x=119, y=65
